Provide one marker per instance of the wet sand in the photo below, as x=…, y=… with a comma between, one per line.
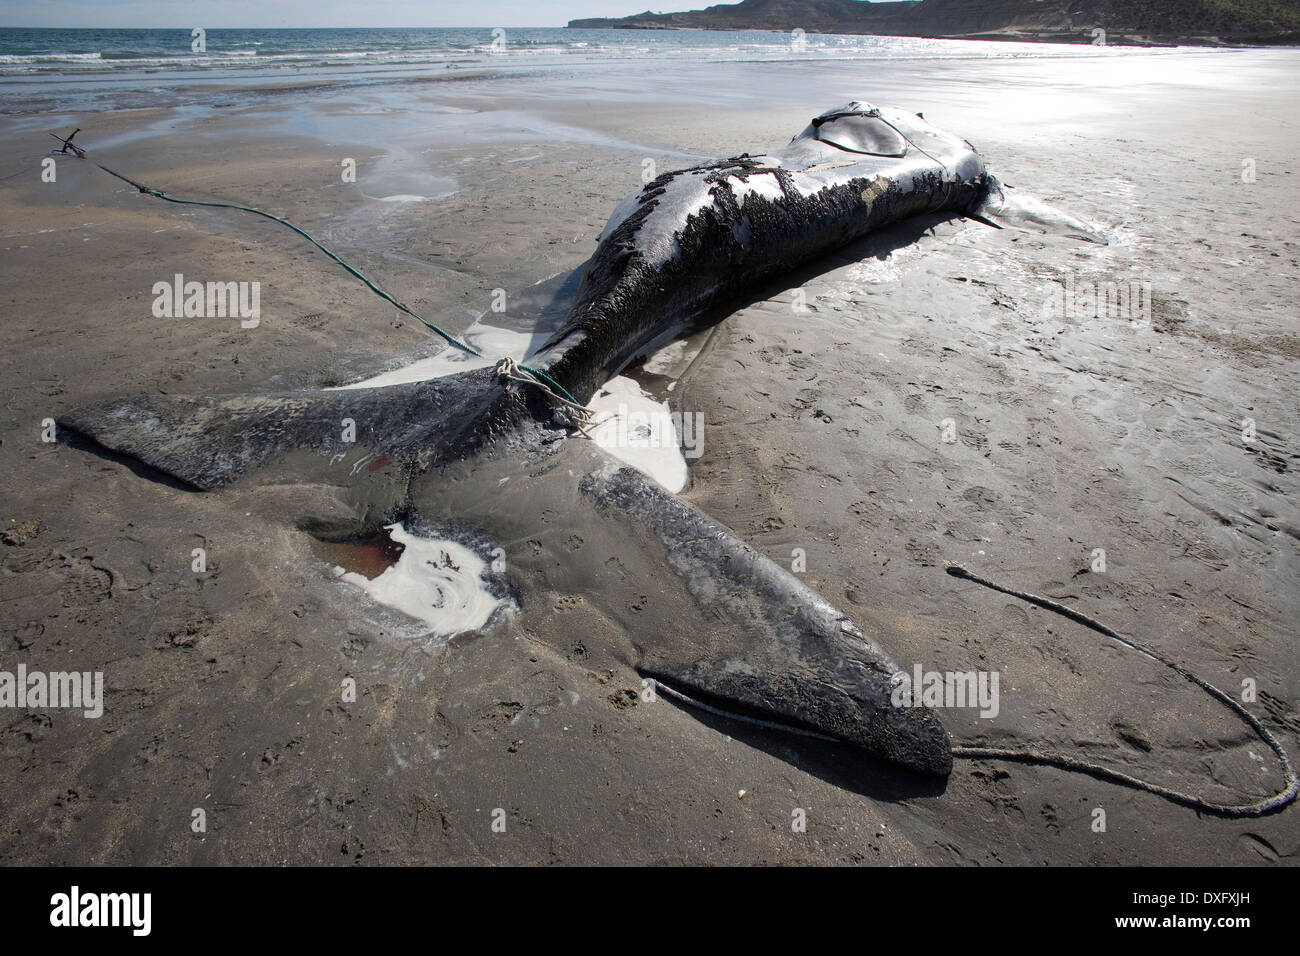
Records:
x=824, y=432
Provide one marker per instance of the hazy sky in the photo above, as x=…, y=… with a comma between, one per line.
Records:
x=214, y=14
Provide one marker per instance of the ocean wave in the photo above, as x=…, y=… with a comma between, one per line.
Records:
x=157, y=51
x=21, y=58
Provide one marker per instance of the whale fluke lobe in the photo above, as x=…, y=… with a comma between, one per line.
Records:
x=212, y=441
x=774, y=648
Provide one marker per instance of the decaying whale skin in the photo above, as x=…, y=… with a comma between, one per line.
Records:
x=696, y=238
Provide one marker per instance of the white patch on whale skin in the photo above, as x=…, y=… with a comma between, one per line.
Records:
x=493, y=342
x=625, y=208
x=764, y=185
x=638, y=431
x=435, y=581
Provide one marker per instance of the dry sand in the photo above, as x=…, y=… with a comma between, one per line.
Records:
x=823, y=432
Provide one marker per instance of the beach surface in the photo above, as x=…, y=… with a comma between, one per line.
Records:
x=940, y=394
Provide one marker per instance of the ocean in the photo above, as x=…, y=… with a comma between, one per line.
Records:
x=57, y=70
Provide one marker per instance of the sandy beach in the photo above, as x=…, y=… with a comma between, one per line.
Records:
x=825, y=433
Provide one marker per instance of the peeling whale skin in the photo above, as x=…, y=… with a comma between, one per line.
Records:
x=685, y=244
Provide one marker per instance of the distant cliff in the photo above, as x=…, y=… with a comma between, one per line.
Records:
x=1125, y=21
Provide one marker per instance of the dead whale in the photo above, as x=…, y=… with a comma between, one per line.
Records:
x=752, y=637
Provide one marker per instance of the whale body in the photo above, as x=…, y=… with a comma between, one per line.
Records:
x=753, y=638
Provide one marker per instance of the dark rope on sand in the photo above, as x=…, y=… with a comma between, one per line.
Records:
x=540, y=377
x=1260, y=808
x=26, y=170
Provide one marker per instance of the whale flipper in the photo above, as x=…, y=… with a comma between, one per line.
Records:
x=1003, y=206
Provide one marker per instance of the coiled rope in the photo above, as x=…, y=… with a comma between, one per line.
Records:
x=579, y=415
x=548, y=385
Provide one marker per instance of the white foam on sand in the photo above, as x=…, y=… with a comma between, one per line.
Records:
x=435, y=581
x=493, y=342
x=676, y=354
x=638, y=431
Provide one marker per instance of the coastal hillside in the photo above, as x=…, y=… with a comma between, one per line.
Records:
x=1140, y=21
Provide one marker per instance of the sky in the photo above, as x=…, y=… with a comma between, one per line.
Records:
x=215, y=14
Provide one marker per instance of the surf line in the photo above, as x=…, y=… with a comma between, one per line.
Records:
x=507, y=369
x=1272, y=804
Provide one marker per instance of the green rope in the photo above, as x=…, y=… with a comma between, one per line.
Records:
x=448, y=337
x=542, y=376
